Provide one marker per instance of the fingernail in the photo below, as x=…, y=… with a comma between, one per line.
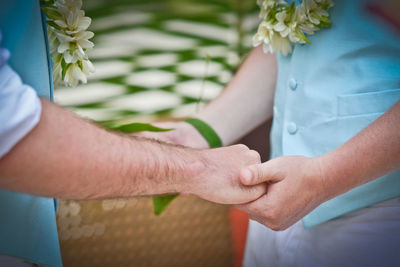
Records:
x=246, y=176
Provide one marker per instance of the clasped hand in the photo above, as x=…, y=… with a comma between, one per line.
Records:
x=276, y=193
x=295, y=188
x=216, y=177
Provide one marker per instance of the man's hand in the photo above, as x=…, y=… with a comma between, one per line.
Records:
x=218, y=176
x=182, y=134
x=295, y=188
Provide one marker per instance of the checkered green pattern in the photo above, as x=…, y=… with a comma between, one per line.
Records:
x=160, y=58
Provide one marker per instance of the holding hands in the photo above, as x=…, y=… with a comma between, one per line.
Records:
x=295, y=188
x=217, y=178
x=276, y=193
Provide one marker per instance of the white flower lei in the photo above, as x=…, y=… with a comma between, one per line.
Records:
x=284, y=24
x=69, y=40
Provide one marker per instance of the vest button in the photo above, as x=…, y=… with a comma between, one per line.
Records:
x=292, y=84
x=291, y=128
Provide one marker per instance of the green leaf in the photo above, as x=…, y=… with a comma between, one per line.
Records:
x=324, y=25
x=290, y=11
x=52, y=13
x=135, y=127
x=301, y=35
x=161, y=202
x=53, y=24
x=64, y=67
x=325, y=19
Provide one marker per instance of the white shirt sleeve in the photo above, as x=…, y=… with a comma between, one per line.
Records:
x=20, y=106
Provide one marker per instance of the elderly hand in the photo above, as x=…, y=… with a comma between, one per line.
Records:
x=216, y=178
x=295, y=188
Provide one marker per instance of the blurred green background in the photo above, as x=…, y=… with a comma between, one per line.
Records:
x=159, y=58
x=155, y=60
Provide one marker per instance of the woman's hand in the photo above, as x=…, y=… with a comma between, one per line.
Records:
x=182, y=134
x=295, y=188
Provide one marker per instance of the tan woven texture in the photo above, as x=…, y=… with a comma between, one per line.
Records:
x=191, y=232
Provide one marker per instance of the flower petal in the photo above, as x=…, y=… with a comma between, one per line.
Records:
x=280, y=27
x=84, y=35
x=63, y=47
x=60, y=23
x=84, y=23
x=78, y=74
x=85, y=44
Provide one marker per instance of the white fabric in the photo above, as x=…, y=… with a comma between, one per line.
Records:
x=366, y=237
x=20, y=110
x=20, y=107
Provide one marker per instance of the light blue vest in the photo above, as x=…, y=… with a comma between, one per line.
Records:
x=330, y=90
x=28, y=223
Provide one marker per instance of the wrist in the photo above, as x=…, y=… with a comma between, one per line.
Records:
x=335, y=177
x=193, y=172
x=324, y=187
x=184, y=168
x=198, y=172
x=164, y=167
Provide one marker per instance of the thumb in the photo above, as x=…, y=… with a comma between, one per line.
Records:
x=257, y=174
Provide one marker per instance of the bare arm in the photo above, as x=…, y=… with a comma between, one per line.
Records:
x=300, y=184
x=374, y=152
x=244, y=104
x=67, y=157
x=247, y=101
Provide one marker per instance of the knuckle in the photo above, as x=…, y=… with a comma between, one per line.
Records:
x=272, y=216
x=254, y=155
x=272, y=224
x=241, y=147
x=258, y=172
x=275, y=227
x=253, y=171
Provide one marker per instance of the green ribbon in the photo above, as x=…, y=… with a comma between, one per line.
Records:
x=206, y=131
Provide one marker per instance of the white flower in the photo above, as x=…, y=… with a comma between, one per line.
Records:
x=283, y=45
x=308, y=28
x=87, y=67
x=267, y=5
x=281, y=26
x=73, y=75
x=286, y=29
x=69, y=41
x=285, y=24
x=74, y=47
x=264, y=33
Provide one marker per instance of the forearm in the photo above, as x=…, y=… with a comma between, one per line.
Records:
x=248, y=99
x=66, y=157
x=373, y=152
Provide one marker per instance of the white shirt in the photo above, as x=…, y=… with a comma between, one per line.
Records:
x=20, y=107
x=368, y=237
x=20, y=110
